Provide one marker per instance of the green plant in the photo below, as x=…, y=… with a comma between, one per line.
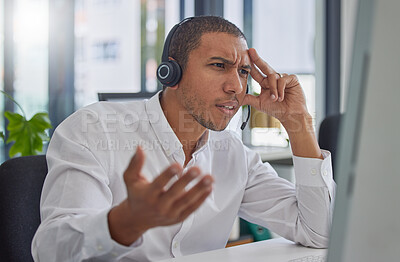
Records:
x=28, y=135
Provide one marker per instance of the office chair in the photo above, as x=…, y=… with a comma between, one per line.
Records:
x=328, y=135
x=21, y=181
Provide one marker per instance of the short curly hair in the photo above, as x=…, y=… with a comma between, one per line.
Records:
x=187, y=37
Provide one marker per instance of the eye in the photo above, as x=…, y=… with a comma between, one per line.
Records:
x=220, y=65
x=244, y=72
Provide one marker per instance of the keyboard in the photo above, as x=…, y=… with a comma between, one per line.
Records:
x=320, y=258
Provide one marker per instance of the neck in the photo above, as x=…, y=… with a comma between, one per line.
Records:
x=185, y=127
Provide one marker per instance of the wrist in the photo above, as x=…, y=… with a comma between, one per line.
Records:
x=298, y=123
x=122, y=225
x=302, y=136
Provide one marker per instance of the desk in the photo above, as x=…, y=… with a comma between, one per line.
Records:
x=274, y=250
x=273, y=153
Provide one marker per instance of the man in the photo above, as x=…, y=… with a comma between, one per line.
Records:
x=188, y=180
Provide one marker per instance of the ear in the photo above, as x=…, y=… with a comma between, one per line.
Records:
x=177, y=85
x=173, y=87
x=181, y=73
x=176, y=72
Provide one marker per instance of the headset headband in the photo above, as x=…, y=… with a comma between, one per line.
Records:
x=165, y=53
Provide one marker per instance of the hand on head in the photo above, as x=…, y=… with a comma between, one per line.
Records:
x=281, y=94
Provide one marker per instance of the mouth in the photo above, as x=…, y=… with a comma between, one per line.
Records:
x=228, y=108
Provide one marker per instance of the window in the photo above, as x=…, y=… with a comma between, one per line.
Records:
x=31, y=55
x=118, y=45
x=27, y=55
x=107, y=48
x=2, y=72
x=1, y=48
x=283, y=33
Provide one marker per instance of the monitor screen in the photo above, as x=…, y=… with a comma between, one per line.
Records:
x=367, y=213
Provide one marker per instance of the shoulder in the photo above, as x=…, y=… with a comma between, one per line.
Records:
x=101, y=119
x=107, y=108
x=99, y=112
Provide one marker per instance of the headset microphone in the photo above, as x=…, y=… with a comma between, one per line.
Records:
x=248, y=112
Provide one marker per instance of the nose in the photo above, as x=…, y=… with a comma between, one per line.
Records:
x=233, y=83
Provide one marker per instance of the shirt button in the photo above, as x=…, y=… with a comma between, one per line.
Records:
x=114, y=254
x=176, y=245
x=325, y=173
x=100, y=247
x=313, y=171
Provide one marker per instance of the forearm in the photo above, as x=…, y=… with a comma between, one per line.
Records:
x=301, y=214
x=302, y=136
x=315, y=190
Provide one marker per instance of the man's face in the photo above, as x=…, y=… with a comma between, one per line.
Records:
x=214, y=83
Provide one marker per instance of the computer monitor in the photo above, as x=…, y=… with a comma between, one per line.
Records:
x=121, y=97
x=366, y=220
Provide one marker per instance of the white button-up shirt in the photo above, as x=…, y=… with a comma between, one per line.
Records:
x=91, y=149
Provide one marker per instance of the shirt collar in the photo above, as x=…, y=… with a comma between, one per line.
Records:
x=166, y=136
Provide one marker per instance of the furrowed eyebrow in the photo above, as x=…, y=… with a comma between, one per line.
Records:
x=229, y=62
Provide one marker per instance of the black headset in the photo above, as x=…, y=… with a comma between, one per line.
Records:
x=248, y=112
x=169, y=72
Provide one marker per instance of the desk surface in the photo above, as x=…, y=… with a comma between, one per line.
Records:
x=274, y=250
x=271, y=153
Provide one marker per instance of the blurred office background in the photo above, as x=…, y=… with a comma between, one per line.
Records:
x=56, y=55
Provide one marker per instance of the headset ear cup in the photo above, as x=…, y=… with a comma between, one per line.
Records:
x=169, y=73
x=164, y=73
x=176, y=73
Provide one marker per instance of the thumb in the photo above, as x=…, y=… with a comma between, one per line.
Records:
x=132, y=173
x=251, y=100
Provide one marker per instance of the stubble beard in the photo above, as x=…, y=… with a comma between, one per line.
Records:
x=203, y=117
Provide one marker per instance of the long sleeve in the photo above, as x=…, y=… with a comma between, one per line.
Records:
x=76, y=198
x=301, y=213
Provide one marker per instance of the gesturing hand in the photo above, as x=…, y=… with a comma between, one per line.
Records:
x=150, y=204
x=280, y=96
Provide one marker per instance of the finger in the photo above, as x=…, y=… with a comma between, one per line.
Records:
x=178, y=188
x=273, y=85
x=251, y=100
x=260, y=78
x=256, y=74
x=162, y=180
x=203, y=186
x=271, y=76
x=132, y=173
x=281, y=88
x=260, y=63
